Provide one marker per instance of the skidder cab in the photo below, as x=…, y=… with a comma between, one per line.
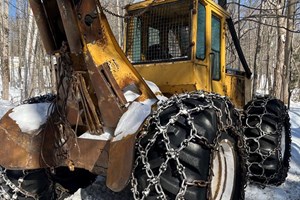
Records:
x=105, y=119
x=180, y=45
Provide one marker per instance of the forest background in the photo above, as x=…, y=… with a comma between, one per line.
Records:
x=268, y=31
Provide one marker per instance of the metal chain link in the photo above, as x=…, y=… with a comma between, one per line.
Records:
x=15, y=190
x=129, y=16
x=153, y=180
x=257, y=104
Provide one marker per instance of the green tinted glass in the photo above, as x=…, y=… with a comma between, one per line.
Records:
x=216, y=47
x=136, y=57
x=200, y=52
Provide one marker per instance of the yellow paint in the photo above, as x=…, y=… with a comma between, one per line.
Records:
x=110, y=52
x=194, y=74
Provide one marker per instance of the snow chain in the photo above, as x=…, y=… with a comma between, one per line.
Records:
x=16, y=190
x=257, y=151
x=126, y=17
x=173, y=154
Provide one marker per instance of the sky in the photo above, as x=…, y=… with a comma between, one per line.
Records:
x=13, y=9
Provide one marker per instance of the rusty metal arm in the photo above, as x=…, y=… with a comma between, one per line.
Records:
x=95, y=50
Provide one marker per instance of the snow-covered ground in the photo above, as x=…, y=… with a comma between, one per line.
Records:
x=290, y=190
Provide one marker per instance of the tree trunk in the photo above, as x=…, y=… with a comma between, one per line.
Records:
x=119, y=23
x=20, y=44
x=5, y=54
x=27, y=58
x=279, y=69
x=239, y=27
x=257, y=52
x=291, y=4
x=32, y=62
x=269, y=70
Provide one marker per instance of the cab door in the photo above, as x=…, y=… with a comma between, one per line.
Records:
x=210, y=47
x=217, y=55
x=201, y=53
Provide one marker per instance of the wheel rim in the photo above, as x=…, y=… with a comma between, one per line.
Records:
x=224, y=168
x=282, y=144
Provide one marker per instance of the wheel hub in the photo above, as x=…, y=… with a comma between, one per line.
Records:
x=224, y=168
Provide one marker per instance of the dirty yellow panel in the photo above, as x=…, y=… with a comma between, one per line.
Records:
x=236, y=89
x=177, y=76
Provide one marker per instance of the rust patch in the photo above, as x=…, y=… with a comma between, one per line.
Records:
x=110, y=98
x=70, y=25
x=43, y=25
x=23, y=149
x=120, y=163
x=93, y=155
x=90, y=22
x=26, y=152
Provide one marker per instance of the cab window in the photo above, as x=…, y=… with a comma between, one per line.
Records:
x=137, y=39
x=200, y=52
x=216, y=47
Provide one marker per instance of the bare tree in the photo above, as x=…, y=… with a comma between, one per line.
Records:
x=5, y=52
x=291, y=8
x=257, y=52
x=28, y=46
x=281, y=33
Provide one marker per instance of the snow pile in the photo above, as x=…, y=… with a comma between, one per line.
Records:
x=30, y=117
x=131, y=92
x=155, y=89
x=137, y=1
x=137, y=112
x=133, y=118
x=107, y=135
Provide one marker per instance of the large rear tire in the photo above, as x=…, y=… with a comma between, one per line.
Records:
x=191, y=148
x=42, y=184
x=268, y=140
x=26, y=184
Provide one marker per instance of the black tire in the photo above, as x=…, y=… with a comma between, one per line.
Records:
x=26, y=184
x=71, y=181
x=42, y=184
x=268, y=140
x=215, y=122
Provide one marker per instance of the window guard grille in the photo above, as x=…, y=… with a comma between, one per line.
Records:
x=161, y=34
